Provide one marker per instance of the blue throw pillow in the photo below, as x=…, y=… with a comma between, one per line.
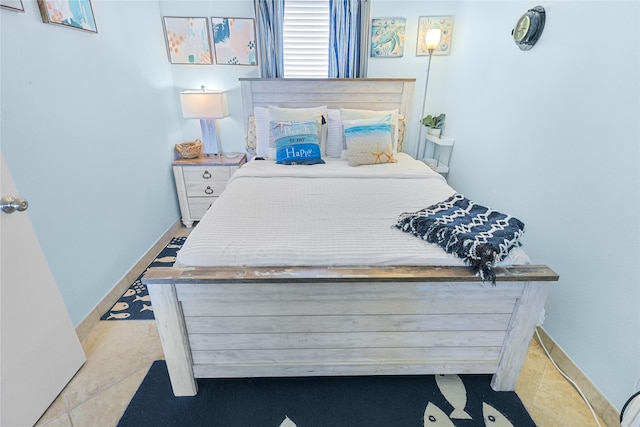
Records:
x=296, y=142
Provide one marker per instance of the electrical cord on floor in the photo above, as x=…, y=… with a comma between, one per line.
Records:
x=593, y=413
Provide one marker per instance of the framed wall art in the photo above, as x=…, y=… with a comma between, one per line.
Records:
x=76, y=14
x=445, y=24
x=234, y=41
x=188, y=40
x=15, y=5
x=387, y=37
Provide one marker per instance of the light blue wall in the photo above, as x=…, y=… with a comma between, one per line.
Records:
x=552, y=136
x=219, y=77
x=536, y=133
x=88, y=127
x=411, y=65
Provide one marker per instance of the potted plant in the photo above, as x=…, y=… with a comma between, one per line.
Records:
x=434, y=124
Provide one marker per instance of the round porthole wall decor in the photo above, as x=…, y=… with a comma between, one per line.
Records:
x=529, y=28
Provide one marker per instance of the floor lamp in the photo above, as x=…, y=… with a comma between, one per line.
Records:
x=206, y=105
x=432, y=41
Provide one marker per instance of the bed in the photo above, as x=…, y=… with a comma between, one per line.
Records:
x=298, y=270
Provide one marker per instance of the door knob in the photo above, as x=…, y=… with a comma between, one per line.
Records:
x=11, y=204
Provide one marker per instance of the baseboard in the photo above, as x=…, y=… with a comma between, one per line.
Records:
x=92, y=319
x=601, y=405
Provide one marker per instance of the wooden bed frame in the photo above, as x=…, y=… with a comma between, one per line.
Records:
x=308, y=321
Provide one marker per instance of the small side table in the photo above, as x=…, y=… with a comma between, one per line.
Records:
x=440, y=149
x=200, y=181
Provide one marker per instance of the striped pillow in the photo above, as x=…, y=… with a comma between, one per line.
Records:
x=296, y=142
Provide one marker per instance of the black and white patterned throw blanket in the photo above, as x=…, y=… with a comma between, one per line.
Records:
x=477, y=234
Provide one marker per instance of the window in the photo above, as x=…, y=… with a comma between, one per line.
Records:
x=306, y=38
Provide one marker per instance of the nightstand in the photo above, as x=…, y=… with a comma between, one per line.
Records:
x=439, y=150
x=200, y=181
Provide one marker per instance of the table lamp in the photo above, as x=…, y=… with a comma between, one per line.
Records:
x=206, y=105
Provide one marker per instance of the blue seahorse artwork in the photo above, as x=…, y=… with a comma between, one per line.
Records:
x=387, y=37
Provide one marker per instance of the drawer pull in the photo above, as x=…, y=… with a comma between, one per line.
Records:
x=208, y=190
x=206, y=174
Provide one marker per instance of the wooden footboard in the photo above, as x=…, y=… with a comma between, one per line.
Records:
x=254, y=322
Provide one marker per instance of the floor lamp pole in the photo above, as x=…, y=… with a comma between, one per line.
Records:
x=424, y=103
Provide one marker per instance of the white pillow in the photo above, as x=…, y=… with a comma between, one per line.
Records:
x=299, y=114
x=348, y=114
x=334, y=134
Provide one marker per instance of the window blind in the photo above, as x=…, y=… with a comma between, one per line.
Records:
x=306, y=38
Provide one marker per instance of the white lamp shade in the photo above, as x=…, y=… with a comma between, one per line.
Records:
x=432, y=39
x=197, y=104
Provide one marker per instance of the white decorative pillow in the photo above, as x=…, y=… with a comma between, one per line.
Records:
x=300, y=114
x=402, y=128
x=335, y=138
x=368, y=143
x=349, y=114
x=261, y=117
x=250, y=139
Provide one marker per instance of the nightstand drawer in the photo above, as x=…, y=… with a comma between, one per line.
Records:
x=199, y=205
x=205, y=189
x=206, y=174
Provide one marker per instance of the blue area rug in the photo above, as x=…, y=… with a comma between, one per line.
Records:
x=375, y=401
x=135, y=303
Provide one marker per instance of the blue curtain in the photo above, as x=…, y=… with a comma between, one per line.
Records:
x=348, y=34
x=269, y=25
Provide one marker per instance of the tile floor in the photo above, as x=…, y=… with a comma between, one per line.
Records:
x=119, y=353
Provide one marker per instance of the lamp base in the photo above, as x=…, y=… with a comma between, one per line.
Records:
x=210, y=140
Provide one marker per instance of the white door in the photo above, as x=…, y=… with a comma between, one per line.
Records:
x=39, y=349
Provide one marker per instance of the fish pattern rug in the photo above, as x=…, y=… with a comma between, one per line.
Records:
x=135, y=303
x=371, y=401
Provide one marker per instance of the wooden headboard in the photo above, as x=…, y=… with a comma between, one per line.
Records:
x=364, y=94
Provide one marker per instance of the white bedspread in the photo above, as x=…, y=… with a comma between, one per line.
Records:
x=320, y=215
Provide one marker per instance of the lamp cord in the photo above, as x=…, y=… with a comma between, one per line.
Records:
x=593, y=413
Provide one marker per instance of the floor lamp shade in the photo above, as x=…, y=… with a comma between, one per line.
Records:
x=432, y=39
x=206, y=106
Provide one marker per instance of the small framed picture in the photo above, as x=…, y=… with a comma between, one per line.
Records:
x=445, y=24
x=188, y=40
x=387, y=37
x=15, y=5
x=76, y=14
x=234, y=41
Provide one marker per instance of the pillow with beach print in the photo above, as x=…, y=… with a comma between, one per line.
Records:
x=369, y=144
x=384, y=119
x=350, y=114
x=296, y=142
